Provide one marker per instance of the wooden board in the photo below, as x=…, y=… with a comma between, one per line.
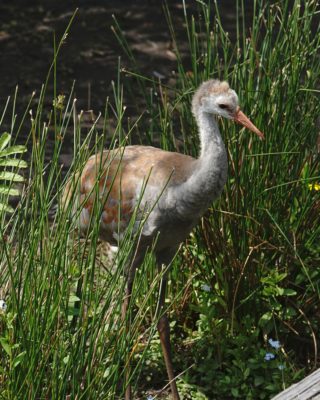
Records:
x=308, y=388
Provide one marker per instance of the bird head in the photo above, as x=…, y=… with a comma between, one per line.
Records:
x=216, y=97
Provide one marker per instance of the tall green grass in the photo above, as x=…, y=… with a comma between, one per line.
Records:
x=248, y=273
x=61, y=334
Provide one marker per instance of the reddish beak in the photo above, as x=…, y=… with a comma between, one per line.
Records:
x=242, y=119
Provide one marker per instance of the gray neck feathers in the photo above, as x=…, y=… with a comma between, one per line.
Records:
x=206, y=181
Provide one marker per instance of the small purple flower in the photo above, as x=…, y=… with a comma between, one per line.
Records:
x=281, y=367
x=274, y=343
x=206, y=288
x=150, y=397
x=269, y=356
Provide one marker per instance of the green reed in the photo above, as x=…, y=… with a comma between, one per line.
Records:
x=61, y=334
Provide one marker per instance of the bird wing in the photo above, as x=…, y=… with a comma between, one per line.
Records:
x=123, y=180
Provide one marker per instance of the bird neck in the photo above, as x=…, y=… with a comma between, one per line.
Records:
x=210, y=138
x=207, y=179
x=211, y=173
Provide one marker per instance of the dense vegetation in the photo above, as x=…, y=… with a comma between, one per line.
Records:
x=244, y=289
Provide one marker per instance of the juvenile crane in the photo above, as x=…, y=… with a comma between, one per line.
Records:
x=170, y=190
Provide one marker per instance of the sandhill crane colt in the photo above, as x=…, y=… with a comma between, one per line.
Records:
x=173, y=190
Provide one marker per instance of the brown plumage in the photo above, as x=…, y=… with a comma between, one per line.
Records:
x=124, y=173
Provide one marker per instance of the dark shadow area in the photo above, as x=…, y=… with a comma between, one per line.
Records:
x=91, y=52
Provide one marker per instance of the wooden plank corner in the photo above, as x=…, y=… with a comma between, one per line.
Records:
x=307, y=389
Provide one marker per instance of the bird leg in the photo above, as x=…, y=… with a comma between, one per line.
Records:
x=164, y=330
x=164, y=334
x=125, y=305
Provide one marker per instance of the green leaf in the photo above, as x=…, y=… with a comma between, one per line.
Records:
x=246, y=373
x=281, y=277
x=73, y=298
x=11, y=176
x=66, y=359
x=266, y=317
x=9, y=191
x=13, y=162
x=6, y=345
x=13, y=150
x=259, y=380
x=4, y=140
x=6, y=208
x=235, y=392
x=17, y=360
x=280, y=291
x=290, y=292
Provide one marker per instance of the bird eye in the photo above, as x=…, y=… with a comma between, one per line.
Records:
x=223, y=106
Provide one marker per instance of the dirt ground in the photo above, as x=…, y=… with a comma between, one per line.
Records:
x=90, y=54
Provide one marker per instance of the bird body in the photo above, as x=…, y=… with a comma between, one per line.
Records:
x=167, y=192
x=158, y=185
